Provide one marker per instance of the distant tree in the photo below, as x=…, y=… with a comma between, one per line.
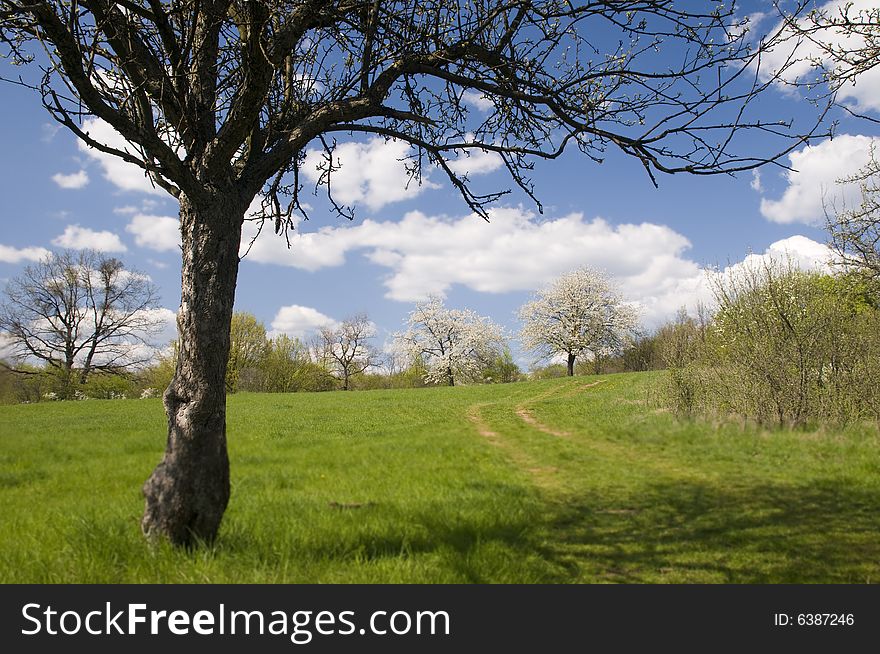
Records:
x=503, y=369
x=346, y=348
x=80, y=312
x=219, y=101
x=285, y=368
x=247, y=347
x=578, y=314
x=455, y=345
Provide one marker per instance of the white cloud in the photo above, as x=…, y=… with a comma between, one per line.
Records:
x=516, y=252
x=126, y=176
x=9, y=254
x=478, y=100
x=167, y=324
x=299, y=321
x=80, y=238
x=476, y=162
x=372, y=173
x=864, y=92
x=813, y=183
x=756, y=181
x=48, y=131
x=160, y=233
x=72, y=181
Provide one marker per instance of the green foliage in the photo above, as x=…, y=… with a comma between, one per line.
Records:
x=785, y=347
x=401, y=487
x=108, y=387
x=248, y=347
x=502, y=369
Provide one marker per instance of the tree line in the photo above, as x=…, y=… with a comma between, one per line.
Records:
x=46, y=311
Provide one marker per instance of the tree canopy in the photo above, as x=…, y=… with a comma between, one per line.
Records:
x=455, y=345
x=579, y=313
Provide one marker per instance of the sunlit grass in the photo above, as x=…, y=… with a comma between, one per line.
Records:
x=401, y=486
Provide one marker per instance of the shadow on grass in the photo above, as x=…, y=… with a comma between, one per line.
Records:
x=670, y=531
x=682, y=531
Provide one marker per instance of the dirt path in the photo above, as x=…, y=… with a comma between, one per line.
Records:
x=543, y=476
x=528, y=417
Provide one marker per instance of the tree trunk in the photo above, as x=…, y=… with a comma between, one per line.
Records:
x=188, y=491
x=450, y=378
x=570, y=365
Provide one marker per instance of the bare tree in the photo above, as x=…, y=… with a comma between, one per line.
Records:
x=80, y=312
x=346, y=349
x=219, y=100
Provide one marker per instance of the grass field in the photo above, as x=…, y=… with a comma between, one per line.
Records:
x=555, y=481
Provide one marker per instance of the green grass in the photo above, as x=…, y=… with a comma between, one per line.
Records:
x=549, y=481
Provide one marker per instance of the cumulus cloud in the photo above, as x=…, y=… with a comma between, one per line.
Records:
x=476, y=162
x=478, y=100
x=371, y=173
x=80, y=238
x=798, y=56
x=72, y=181
x=9, y=254
x=298, y=321
x=166, y=319
x=125, y=176
x=160, y=233
x=427, y=255
x=813, y=182
x=796, y=251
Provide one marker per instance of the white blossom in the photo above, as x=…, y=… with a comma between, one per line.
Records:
x=577, y=314
x=454, y=345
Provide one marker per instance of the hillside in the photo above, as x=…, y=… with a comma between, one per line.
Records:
x=573, y=480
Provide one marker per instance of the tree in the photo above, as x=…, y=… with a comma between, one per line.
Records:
x=839, y=41
x=248, y=347
x=80, y=312
x=219, y=99
x=855, y=231
x=453, y=344
x=577, y=314
x=286, y=365
x=346, y=350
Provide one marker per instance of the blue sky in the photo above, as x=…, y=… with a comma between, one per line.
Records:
x=407, y=243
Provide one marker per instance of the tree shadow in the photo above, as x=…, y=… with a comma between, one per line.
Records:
x=827, y=531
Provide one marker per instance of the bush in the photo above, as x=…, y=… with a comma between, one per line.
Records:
x=785, y=347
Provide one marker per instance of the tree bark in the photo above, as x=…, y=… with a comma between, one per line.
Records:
x=571, y=358
x=187, y=493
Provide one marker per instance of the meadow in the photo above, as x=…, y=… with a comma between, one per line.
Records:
x=578, y=480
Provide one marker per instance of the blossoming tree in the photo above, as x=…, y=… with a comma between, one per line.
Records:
x=579, y=313
x=455, y=345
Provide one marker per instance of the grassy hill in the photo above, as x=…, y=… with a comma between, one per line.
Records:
x=574, y=480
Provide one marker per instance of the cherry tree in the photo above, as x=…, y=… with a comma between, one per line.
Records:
x=454, y=344
x=579, y=313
